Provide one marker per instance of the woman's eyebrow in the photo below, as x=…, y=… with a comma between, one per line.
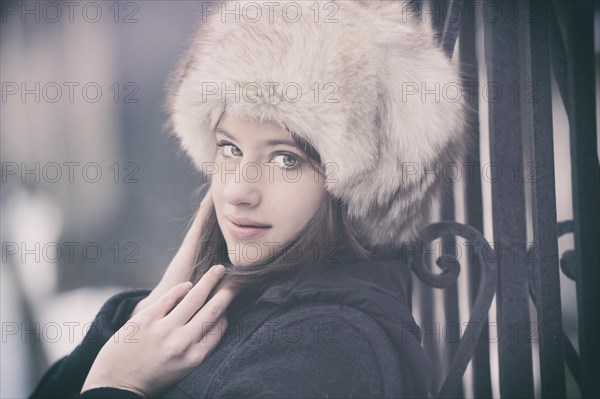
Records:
x=271, y=142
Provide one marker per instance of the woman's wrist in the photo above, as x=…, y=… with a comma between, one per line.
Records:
x=108, y=393
x=98, y=379
x=101, y=391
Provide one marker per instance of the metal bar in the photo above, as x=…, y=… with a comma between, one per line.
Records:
x=558, y=54
x=538, y=112
x=435, y=11
x=482, y=383
x=452, y=24
x=571, y=357
x=449, y=33
x=508, y=202
x=431, y=335
x=585, y=180
x=451, y=291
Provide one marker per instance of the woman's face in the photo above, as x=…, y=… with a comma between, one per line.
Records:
x=261, y=179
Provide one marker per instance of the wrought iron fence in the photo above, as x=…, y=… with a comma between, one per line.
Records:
x=524, y=43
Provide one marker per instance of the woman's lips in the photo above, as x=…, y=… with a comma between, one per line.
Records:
x=246, y=232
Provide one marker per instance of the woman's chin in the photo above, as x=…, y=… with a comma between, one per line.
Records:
x=243, y=258
x=247, y=253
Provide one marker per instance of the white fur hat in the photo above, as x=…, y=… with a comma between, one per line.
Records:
x=362, y=81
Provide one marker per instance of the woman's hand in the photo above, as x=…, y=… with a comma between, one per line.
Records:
x=180, y=268
x=170, y=339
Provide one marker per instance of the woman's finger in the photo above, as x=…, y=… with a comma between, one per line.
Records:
x=212, y=311
x=209, y=341
x=180, y=267
x=196, y=298
x=168, y=301
x=187, y=251
x=191, y=241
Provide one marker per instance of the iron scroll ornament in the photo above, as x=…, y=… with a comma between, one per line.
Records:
x=450, y=271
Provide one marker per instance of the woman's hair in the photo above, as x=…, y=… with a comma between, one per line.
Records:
x=316, y=245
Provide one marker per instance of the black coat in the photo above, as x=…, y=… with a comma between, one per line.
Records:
x=345, y=331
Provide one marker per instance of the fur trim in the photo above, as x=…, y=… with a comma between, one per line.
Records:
x=389, y=104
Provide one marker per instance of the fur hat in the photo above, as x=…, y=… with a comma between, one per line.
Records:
x=364, y=82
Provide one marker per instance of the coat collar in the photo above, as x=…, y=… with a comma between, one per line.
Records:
x=381, y=288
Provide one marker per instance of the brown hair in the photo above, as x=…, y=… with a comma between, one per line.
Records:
x=315, y=246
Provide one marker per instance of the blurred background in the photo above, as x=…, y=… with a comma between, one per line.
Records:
x=95, y=197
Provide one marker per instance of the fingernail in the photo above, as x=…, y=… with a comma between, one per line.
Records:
x=188, y=284
x=220, y=269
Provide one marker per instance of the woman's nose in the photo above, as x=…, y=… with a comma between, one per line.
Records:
x=243, y=186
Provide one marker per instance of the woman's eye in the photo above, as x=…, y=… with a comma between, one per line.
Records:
x=228, y=150
x=285, y=160
x=288, y=161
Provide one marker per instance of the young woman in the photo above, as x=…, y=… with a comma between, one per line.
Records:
x=320, y=138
